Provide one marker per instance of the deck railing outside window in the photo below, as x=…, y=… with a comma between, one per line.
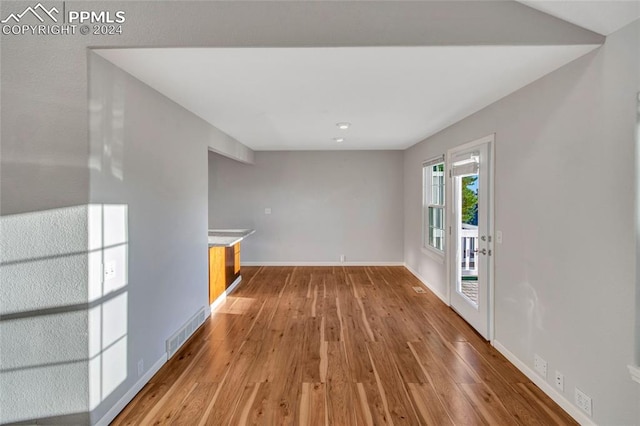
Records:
x=469, y=243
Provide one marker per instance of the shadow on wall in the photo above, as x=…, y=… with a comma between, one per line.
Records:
x=63, y=312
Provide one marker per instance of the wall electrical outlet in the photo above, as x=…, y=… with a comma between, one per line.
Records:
x=267, y=210
x=499, y=237
x=559, y=380
x=540, y=365
x=342, y=258
x=583, y=401
x=109, y=270
x=140, y=367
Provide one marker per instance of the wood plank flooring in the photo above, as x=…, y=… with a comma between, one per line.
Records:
x=338, y=346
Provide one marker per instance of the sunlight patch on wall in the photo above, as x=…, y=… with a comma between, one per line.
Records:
x=108, y=320
x=108, y=249
x=43, y=314
x=63, y=315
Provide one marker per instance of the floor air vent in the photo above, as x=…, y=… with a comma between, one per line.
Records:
x=177, y=340
x=419, y=290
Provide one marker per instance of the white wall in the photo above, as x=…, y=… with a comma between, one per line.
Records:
x=150, y=154
x=43, y=307
x=323, y=204
x=564, y=194
x=71, y=343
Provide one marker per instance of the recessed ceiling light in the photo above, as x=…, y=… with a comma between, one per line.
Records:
x=343, y=126
x=338, y=139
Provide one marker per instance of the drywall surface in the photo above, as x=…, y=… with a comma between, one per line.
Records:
x=150, y=155
x=43, y=315
x=323, y=205
x=224, y=144
x=564, y=193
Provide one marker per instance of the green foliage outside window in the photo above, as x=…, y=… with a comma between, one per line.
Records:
x=470, y=200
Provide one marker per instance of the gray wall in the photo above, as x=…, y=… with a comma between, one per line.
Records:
x=323, y=204
x=564, y=195
x=150, y=154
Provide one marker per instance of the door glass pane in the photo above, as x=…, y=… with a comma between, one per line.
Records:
x=468, y=187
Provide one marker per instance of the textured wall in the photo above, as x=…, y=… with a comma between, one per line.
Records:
x=565, y=273
x=43, y=323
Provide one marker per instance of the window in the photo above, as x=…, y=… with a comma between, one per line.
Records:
x=433, y=204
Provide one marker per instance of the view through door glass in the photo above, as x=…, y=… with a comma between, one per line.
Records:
x=468, y=226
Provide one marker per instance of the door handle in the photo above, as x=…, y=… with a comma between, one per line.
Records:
x=483, y=251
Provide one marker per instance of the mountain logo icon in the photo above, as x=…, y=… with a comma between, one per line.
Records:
x=39, y=11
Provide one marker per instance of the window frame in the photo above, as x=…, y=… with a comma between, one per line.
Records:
x=427, y=204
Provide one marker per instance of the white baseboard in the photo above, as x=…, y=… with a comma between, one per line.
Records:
x=323, y=263
x=220, y=300
x=547, y=388
x=426, y=284
x=127, y=397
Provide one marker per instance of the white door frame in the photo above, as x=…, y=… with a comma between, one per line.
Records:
x=490, y=139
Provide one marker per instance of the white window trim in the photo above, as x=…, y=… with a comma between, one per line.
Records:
x=428, y=249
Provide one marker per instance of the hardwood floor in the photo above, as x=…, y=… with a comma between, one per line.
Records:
x=338, y=346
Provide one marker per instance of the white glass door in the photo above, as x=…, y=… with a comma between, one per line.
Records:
x=471, y=245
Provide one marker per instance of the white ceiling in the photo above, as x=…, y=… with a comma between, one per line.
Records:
x=602, y=17
x=291, y=98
